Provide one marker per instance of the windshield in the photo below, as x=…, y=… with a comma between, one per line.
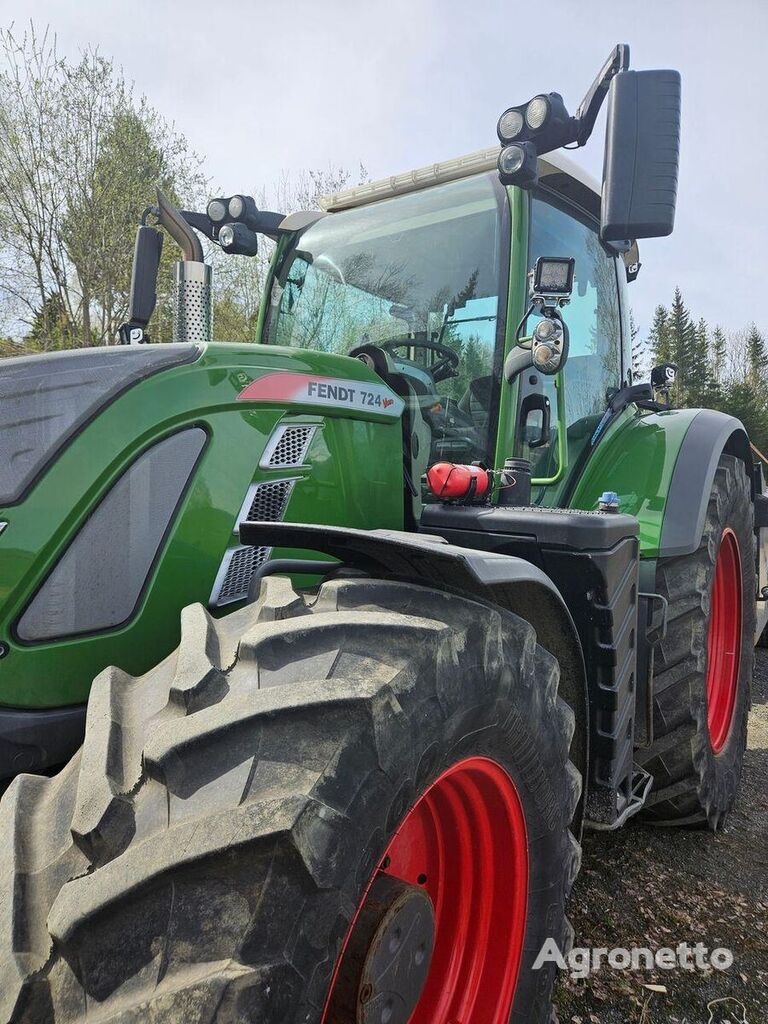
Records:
x=417, y=276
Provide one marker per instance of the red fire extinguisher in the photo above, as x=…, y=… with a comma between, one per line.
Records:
x=452, y=481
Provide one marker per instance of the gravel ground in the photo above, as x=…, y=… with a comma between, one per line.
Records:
x=654, y=888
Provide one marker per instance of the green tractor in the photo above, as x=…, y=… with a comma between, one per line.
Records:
x=382, y=611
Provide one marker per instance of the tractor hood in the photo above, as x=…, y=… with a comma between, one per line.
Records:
x=122, y=489
x=46, y=399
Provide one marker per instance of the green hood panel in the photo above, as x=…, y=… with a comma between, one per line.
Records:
x=350, y=475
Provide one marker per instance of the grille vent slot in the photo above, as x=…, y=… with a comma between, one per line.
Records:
x=266, y=502
x=235, y=574
x=288, y=446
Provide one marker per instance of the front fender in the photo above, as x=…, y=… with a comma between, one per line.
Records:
x=711, y=433
x=510, y=582
x=662, y=466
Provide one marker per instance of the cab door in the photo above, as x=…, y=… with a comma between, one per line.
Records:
x=576, y=398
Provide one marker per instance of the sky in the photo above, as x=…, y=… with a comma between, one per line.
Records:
x=260, y=87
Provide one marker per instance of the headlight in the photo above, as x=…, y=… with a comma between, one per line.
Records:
x=236, y=207
x=546, y=358
x=238, y=239
x=511, y=159
x=537, y=112
x=518, y=164
x=217, y=210
x=511, y=123
x=547, y=330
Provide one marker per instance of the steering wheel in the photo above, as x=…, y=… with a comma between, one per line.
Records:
x=444, y=368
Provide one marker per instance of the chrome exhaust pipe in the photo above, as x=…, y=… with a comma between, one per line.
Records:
x=193, y=305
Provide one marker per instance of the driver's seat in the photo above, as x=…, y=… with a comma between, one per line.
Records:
x=417, y=443
x=476, y=402
x=417, y=433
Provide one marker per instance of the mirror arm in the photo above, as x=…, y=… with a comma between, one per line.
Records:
x=519, y=359
x=589, y=108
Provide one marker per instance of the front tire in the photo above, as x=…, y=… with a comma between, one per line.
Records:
x=233, y=813
x=703, y=671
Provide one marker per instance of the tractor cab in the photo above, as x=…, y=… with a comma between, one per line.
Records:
x=426, y=285
x=431, y=279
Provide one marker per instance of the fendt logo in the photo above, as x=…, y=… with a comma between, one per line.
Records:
x=326, y=392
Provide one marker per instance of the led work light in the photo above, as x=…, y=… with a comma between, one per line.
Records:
x=238, y=240
x=517, y=164
x=537, y=112
x=217, y=210
x=554, y=275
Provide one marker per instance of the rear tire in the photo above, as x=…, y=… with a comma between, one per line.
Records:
x=203, y=857
x=701, y=707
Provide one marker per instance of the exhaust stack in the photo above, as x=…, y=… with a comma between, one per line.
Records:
x=193, y=305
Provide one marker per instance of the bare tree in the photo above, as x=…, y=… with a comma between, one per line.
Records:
x=80, y=157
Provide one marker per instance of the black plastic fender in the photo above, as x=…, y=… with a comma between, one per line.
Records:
x=31, y=740
x=505, y=580
x=710, y=434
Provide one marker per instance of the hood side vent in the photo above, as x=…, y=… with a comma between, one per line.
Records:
x=234, y=576
x=288, y=446
x=266, y=502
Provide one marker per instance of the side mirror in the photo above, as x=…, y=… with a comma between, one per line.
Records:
x=642, y=155
x=146, y=263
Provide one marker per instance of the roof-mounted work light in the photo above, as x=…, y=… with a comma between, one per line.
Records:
x=238, y=239
x=234, y=209
x=217, y=210
x=518, y=164
x=544, y=121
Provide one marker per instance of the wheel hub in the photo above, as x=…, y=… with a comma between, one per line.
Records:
x=454, y=880
x=388, y=956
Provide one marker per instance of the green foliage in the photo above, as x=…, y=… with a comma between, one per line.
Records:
x=658, y=339
x=80, y=158
x=728, y=372
x=639, y=349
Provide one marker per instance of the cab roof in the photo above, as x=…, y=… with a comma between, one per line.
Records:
x=556, y=172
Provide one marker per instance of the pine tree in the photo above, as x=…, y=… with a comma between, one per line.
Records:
x=682, y=345
x=699, y=373
x=741, y=400
x=658, y=337
x=718, y=355
x=758, y=357
x=51, y=327
x=639, y=350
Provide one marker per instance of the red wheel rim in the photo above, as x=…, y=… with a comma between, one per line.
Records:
x=465, y=842
x=724, y=641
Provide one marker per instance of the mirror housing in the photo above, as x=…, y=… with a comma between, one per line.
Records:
x=642, y=154
x=146, y=263
x=143, y=295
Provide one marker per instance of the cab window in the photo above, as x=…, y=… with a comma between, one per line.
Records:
x=418, y=277
x=578, y=395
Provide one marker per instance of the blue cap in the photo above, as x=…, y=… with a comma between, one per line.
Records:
x=609, y=498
